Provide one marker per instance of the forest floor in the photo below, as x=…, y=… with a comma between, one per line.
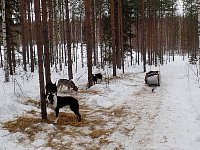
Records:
x=123, y=113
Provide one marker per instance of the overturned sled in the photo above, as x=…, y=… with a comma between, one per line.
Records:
x=152, y=78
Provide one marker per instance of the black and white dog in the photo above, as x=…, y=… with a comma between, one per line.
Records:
x=58, y=102
x=51, y=88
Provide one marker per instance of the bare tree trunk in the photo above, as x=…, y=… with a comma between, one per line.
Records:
x=51, y=32
x=30, y=36
x=93, y=33
x=55, y=33
x=113, y=36
x=199, y=31
x=68, y=28
x=101, y=33
x=40, y=59
x=81, y=33
x=6, y=68
x=22, y=11
x=9, y=34
x=120, y=32
x=46, y=42
x=143, y=37
x=88, y=40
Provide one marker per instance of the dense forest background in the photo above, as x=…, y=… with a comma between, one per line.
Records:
x=43, y=34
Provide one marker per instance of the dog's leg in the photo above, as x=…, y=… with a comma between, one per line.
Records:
x=75, y=109
x=68, y=87
x=57, y=115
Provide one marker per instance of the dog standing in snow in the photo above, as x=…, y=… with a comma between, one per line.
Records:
x=66, y=83
x=96, y=77
x=57, y=102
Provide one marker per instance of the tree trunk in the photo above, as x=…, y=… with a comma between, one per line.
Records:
x=113, y=36
x=22, y=11
x=68, y=28
x=6, y=68
x=120, y=32
x=199, y=31
x=46, y=42
x=93, y=33
x=143, y=49
x=40, y=57
x=88, y=41
x=30, y=36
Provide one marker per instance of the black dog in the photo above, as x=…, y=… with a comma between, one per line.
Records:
x=58, y=102
x=99, y=76
x=51, y=88
x=94, y=79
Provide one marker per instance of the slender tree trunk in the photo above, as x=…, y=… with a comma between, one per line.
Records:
x=81, y=33
x=9, y=35
x=50, y=22
x=30, y=36
x=120, y=30
x=55, y=33
x=46, y=42
x=6, y=68
x=68, y=28
x=199, y=31
x=113, y=36
x=143, y=37
x=101, y=33
x=93, y=33
x=22, y=11
x=40, y=59
x=88, y=40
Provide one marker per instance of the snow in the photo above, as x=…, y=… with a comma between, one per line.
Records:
x=130, y=114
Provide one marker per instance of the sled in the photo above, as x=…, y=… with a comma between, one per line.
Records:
x=152, y=78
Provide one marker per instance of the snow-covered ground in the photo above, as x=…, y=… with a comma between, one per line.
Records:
x=121, y=114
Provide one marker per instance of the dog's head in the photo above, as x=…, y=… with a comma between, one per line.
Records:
x=72, y=84
x=75, y=88
x=51, y=88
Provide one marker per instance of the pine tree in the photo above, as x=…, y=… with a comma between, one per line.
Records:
x=6, y=68
x=40, y=59
x=88, y=40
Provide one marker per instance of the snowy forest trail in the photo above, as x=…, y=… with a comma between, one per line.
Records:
x=177, y=124
x=168, y=117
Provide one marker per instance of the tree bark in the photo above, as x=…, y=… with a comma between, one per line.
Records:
x=6, y=68
x=88, y=41
x=68, y=28
x=22, y=11
x=46, y=42
x=113, y=36
x=40, y=59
